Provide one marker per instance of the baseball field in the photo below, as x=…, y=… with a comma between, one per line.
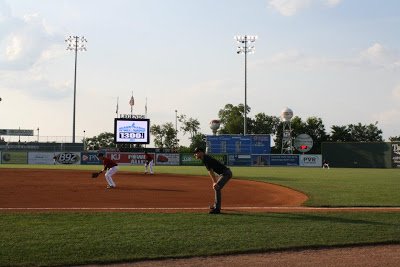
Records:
x=58, y=215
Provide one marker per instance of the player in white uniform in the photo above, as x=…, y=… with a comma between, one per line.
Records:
x=148, y=163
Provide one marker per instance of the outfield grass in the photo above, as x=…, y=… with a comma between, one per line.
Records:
x=331, y=188
x=81, y=238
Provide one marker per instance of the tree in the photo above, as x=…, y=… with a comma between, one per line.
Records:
x=340, y=134
x=198, y=140
x=164, y=135
x=394, y=138
x=264, y=124
x=232, y=119
x=191, y=125
x=356, y=133
x=103, y=140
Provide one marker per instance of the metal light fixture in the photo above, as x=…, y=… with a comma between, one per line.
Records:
x=75, y=43
x=245, y=49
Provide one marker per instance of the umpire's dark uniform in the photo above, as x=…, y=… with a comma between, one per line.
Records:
x=225, y=175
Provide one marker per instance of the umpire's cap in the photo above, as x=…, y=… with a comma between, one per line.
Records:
x=198, y=149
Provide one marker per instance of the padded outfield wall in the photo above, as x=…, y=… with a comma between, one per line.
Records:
x=358, y=155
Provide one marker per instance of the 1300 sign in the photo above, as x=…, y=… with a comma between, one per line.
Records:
x=131, y=135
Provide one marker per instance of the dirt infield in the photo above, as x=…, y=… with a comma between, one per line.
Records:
x=360, y=256
x=60, y=190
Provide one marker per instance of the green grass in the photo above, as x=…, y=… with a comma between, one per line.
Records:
x=331, y=188
x=82, y=238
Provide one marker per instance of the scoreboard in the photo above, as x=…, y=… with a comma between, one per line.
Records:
x=239, y=144
x=132, y=131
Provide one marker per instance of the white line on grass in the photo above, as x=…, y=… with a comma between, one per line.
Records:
x=226, y=208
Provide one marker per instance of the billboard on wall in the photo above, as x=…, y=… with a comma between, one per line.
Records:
x=260, y=160
x=68, y=158
x=188, y=159
x=239, y=160
x=396, y=155
x=90, y=158
x=167, y=159
x=14, y=158
x=125, y=158
x=284, y=160
x=310, y=160
x=41, y=158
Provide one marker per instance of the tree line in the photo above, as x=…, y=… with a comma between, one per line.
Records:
x=232, y=122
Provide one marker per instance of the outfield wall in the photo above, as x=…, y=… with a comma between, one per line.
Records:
x=162, y=159
x=362, y=155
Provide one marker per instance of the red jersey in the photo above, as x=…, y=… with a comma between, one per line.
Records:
x=148, y=158
x=108, y=163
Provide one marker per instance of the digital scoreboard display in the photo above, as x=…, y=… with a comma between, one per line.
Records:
x=132, y=131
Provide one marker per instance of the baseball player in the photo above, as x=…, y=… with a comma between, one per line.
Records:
x=148, y=163
x=214, y=166
x=112, y=167
x=325, y=164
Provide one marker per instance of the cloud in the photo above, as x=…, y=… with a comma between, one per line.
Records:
x=388, y=117
x=291, y=7
x=286, y=56
x=396, y=92
x=376, y=56
x=27, y=50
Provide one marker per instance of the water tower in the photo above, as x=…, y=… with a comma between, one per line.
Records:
x=287, y=147
x=214, y=125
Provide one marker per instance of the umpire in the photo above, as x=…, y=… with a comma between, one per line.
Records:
x=214, y=166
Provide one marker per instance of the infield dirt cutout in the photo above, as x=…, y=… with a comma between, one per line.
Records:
x=72, y=190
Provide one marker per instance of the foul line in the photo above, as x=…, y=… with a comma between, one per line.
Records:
x=225, y=208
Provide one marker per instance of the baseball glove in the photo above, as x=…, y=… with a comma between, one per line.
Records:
x=95, y=174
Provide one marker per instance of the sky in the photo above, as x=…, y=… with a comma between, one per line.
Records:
x=338, y=60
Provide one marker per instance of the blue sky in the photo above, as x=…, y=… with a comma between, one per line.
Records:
x=334, y=59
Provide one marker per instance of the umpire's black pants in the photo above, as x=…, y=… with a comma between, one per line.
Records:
x=223, y=179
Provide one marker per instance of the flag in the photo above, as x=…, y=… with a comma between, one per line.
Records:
x=132, y=101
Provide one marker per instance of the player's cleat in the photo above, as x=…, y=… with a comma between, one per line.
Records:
x=212, y=207
x=215, y=211
x=110, y=187
x=145, y=173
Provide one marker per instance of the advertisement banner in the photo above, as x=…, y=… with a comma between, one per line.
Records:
x=311, y=161
x=67, y=158
x=239, y=160
x=90, y=158
x=188, y=159
x=167, y=159
x=0, y=157
x=128, y=158
x=396, y=155
x=41, y=158
x=284, y=160
x=260, y=160
x=14, y=158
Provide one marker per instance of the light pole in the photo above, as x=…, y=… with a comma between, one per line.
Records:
x=38, y=134
x=176, y=120
x=84, y=140
x=245, y=49
x=75, y=43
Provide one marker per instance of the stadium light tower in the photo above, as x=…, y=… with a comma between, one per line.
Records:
x=245, y=49
x=75, y=43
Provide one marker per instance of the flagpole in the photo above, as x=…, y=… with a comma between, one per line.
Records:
x=117, y=106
